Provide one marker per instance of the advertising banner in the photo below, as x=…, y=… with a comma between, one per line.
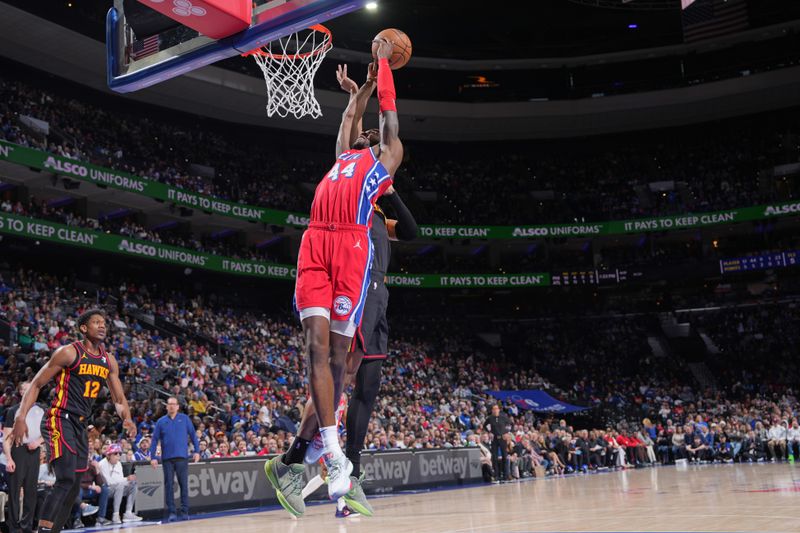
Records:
x=160, y=191
x=614, y=227
x=33, y=228
x=127, y=182
x=440, y=281
x=241, y=483
x=106, y=242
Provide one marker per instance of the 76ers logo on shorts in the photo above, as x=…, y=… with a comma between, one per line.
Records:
x=342, y=305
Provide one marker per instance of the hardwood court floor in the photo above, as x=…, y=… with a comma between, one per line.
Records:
x=761, y=498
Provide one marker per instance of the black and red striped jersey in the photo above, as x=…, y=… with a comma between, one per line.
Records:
x=78, y=385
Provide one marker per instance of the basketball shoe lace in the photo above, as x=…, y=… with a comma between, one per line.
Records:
x=339, y=469
x=295, y=481
x=334, y=469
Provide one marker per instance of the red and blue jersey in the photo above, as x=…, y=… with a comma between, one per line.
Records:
x=347, y=193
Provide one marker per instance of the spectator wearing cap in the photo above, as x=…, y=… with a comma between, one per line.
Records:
x=147, y=425
x=119, y=485
x=174, y=431
x=142, y=452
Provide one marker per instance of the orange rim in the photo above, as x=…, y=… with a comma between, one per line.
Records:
x=316, y=27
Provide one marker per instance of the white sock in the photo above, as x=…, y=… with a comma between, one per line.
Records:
x=330, y=438
x=313, y=484
x=340, y=504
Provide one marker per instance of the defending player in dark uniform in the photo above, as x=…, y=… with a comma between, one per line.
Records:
x=80, y=370
x=372, y=338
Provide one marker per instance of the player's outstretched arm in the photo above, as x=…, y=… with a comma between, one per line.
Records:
x=62, y=358
x=362, y=97
x=118, y=396
x=405, y=227
x=349, y=115
x=391, y=147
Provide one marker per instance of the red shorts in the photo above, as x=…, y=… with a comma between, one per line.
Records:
x=333, y=270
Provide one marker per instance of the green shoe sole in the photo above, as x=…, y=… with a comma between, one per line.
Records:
x=273, y=480
x=358, y=507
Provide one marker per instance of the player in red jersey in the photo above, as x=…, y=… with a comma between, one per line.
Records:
x=80, y=371
x=333, y=276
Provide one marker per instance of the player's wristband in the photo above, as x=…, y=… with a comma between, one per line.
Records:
x=386, y=92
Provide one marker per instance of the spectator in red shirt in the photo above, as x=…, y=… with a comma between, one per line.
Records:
x=222, y=451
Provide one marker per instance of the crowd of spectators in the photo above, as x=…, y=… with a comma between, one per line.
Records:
x=574, y=184
x=717, y=168
x=244, y=389
x=758, y=356
x=151, y=148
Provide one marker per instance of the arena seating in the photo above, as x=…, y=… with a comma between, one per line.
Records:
x=699, y=169
x=240, y=375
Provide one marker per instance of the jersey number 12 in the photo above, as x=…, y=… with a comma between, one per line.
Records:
x=92, y=389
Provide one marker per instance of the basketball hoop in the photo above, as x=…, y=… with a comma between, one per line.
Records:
x=289, y=65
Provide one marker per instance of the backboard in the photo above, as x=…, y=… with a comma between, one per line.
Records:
x=144, y=47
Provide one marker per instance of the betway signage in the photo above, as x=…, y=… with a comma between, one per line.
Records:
x=127, y=182
x=33, y=228
x=241, y=483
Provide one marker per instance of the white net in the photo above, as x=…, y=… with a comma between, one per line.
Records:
x=289, y=65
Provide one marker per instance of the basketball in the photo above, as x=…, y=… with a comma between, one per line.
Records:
x=402, y=47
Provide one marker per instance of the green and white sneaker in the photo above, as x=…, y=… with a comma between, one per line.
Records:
x=356, y=500
x=339, y=469
x=288, y=481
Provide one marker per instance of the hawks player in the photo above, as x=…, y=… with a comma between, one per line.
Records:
x=80, y=370
x=333, y=277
